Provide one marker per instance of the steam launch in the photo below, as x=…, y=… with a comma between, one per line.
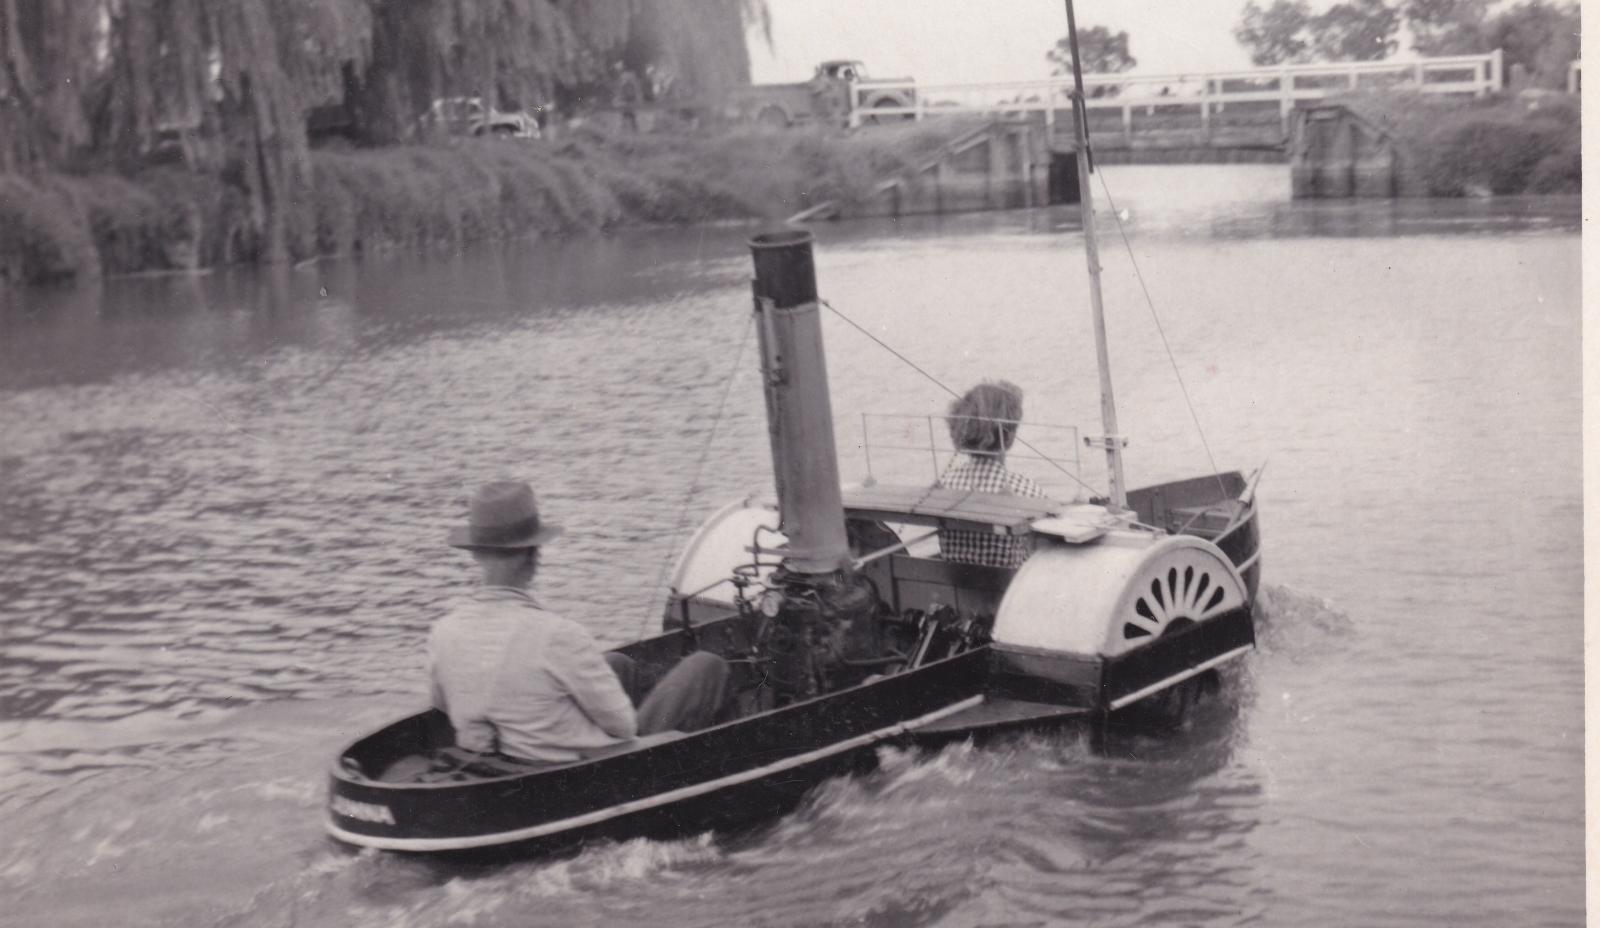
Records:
x=845, y=631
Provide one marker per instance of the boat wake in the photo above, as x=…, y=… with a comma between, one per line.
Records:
x=1297, y=625
x=930, y=834
x=607, y=866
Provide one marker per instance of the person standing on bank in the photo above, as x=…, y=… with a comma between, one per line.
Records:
x=517, y=679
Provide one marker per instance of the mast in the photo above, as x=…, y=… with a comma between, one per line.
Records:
x=1112, y=440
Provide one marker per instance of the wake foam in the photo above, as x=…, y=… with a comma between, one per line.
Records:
x=1296, y=623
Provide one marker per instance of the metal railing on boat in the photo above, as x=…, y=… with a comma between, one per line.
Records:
x=1049, y=454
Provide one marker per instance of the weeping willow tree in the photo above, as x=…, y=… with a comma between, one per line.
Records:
x=43, y=75
x=531, y=52
x=704, y=53
x=506, y=51
x=229, y=82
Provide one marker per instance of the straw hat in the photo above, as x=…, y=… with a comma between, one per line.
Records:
x=503, y=514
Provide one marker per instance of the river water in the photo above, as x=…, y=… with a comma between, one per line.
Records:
x=222, y=501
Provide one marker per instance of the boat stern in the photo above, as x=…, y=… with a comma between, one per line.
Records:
x=1106, y=625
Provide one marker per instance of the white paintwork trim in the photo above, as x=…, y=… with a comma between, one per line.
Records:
x=650, y=802
x=704, y=534
x=1071, y=531
x=1201, y=667
x=1248, y=562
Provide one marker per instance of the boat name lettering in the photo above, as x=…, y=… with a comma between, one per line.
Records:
x=363, y=811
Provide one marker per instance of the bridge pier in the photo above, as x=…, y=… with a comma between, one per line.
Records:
x=1063, y=179
x=1334, y=153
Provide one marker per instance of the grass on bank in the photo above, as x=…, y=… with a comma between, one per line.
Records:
x=57, y=227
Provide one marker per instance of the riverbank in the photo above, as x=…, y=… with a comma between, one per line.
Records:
x=1504, y=145
x=57, y=227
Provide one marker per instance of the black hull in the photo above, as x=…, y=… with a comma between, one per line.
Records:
x=1104, y=685
x=716, y=777
x=739, y=773
x=729, y=808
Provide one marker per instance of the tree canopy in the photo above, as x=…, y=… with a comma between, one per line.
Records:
x=1104, y=52
x=1542, y=37
x=1539, y=35
x=1275, y=34
x=1446, y=27
x=1288, y=32
x=1358, y=30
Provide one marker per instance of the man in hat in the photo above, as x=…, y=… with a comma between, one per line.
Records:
x=520, y=680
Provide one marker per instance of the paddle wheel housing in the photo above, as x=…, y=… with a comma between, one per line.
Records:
x=1107, y=624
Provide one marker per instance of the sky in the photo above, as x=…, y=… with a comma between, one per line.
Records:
x=961, y=41
x=958, y=41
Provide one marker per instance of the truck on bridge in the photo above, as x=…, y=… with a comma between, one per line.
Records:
x=837, y=90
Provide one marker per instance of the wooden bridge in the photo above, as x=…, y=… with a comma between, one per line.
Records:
x=1241, y=115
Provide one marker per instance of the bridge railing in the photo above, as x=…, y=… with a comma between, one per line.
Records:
x=1254, y=95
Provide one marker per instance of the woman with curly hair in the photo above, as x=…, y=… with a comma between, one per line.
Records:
x=983, y=426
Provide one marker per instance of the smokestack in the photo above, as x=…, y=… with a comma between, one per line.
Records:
x=799, y=415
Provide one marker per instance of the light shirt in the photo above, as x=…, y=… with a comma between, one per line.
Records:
x=986, y=474
x=523, y=681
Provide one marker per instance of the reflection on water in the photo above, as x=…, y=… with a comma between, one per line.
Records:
x=222, y=500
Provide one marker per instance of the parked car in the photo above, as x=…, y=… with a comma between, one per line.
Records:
x=467, y=116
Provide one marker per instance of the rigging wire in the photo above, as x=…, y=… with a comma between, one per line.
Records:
x=941, y=385
x=885, y=346
x=1171, y=359
x=700, y=466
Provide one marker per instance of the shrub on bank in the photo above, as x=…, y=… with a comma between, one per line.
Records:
x=44, y=235
x=125, y=222
x=1495, y=145
x=56, y=227
x=1496, y=151
x=1560, y=171
x=447, y=196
